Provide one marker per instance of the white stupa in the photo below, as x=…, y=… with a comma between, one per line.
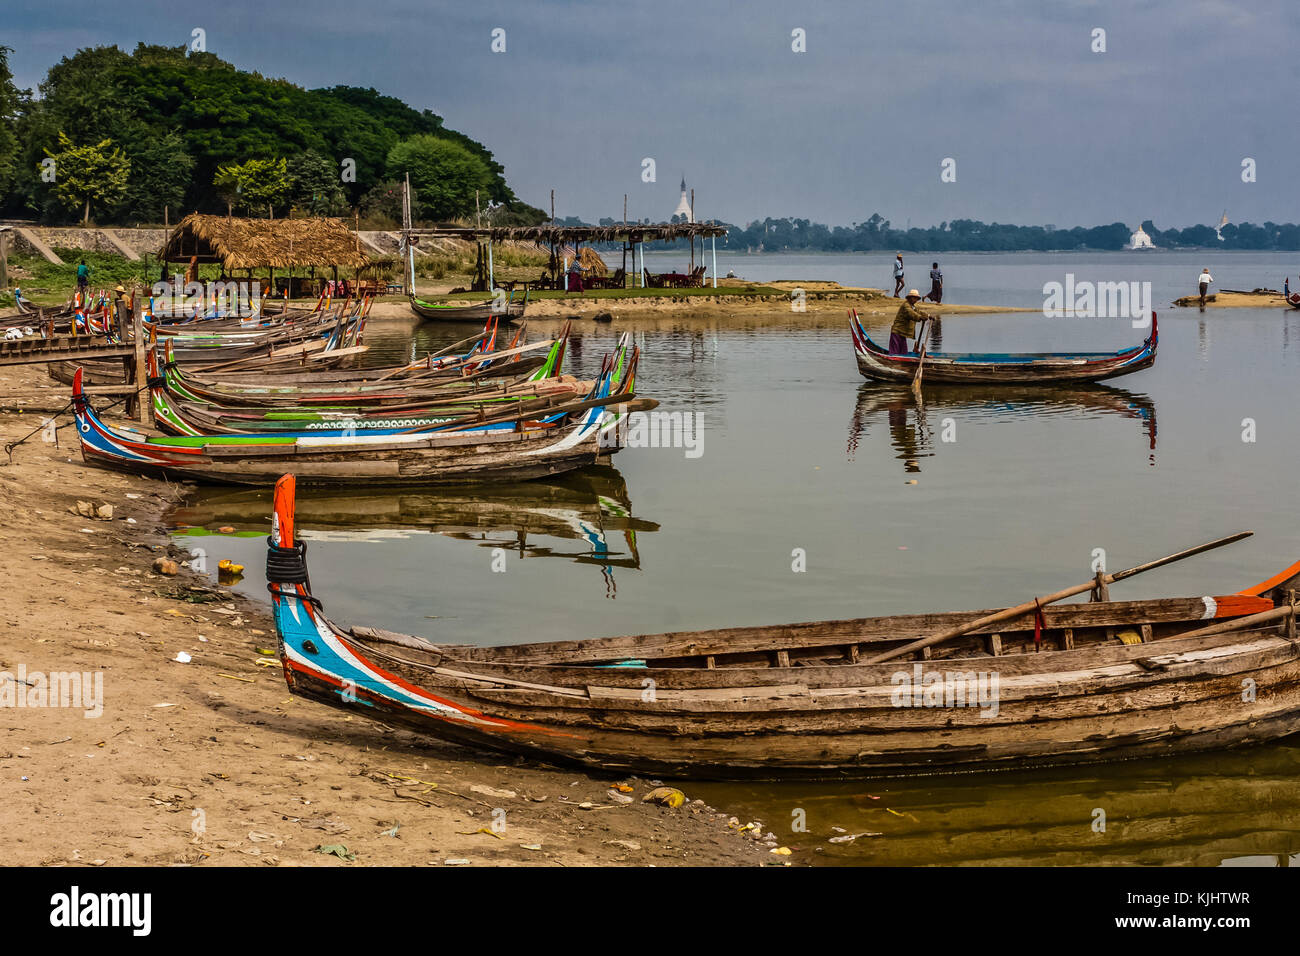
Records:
x=1140, y=240
x=684, y=205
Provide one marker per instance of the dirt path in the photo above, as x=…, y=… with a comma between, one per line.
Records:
x=212, y=761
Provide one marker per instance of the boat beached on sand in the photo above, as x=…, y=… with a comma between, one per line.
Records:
x=1030, y=685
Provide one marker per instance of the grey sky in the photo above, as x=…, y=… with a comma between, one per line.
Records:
x=1042, y=129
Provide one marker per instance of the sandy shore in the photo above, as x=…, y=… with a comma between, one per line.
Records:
x=212, y=761
x=819, y=300
x=1234, y=300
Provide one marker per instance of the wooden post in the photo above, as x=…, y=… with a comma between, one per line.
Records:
x=713, y=245
x=491, y=281
x=142, y=405
x=4, y=262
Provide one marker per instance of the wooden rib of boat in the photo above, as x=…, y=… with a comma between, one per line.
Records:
x=876, y=363
x=565, y=437
x=478, y=312
x=1111, y=680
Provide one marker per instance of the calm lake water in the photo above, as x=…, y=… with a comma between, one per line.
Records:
x=982, y=498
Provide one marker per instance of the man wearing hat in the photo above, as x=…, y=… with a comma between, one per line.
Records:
x=904, y=326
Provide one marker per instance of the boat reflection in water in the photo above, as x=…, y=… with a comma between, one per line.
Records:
x=915, y=425
x=1236, y=808
x=590, y=506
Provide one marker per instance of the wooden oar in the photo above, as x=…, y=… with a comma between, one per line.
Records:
x=920, y=366
x=1240, y=623
x=1013, y=612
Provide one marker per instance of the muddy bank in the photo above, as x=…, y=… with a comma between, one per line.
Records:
x=212, y=761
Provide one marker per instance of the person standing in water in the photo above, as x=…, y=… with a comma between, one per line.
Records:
x=1205, y=280
x=898, y=274
x=936, y=284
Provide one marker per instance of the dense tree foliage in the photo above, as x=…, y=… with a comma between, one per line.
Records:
x=445, y=176
x=971, y=235
x=10, y=99
x=201, y=114
x=86, y=176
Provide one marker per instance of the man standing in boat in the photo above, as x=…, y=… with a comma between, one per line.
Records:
x=898, y=274
x=1205, y=281
x=904, y=326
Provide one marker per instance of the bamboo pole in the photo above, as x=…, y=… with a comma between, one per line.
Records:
x=1013, y=612
x=141, y=370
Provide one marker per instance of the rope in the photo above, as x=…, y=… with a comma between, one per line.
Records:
x=10, y=446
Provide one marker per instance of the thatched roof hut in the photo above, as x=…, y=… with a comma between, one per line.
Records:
x=257, y=243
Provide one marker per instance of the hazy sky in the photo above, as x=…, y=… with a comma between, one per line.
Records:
x=1042, y=129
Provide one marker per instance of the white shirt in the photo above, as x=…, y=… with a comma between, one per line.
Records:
x=898, y=268
x=1206, y=278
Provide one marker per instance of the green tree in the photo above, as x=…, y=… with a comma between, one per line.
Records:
x=317, y=184
x=254, y=185
x=88, y=175
x=10, y=99
x=161, y=171
x=444, y=174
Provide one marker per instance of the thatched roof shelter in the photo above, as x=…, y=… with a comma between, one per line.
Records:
x=257, y=243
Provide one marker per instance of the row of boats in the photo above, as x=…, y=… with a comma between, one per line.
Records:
x=1036, y=684
x=240, y=403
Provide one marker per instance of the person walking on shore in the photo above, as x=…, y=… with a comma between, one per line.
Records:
x=904, y=326
x=936, y=284
x=83, y=278
x=898, y=274
x=1205, y=281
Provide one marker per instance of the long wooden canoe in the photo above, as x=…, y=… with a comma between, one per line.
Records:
x=1086, y=683
x=877, y=363
x=567, y=437
x=479, y=312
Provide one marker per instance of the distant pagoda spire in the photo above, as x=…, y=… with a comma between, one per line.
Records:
x=684, y=204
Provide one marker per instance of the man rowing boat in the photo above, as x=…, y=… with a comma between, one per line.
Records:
x=904, y=326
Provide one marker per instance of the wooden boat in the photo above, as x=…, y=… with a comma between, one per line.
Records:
x=479, y=312
x=1077, y=683
x=567, y=436
x=876, y=363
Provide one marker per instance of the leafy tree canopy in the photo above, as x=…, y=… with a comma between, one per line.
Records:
x=160, y=101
